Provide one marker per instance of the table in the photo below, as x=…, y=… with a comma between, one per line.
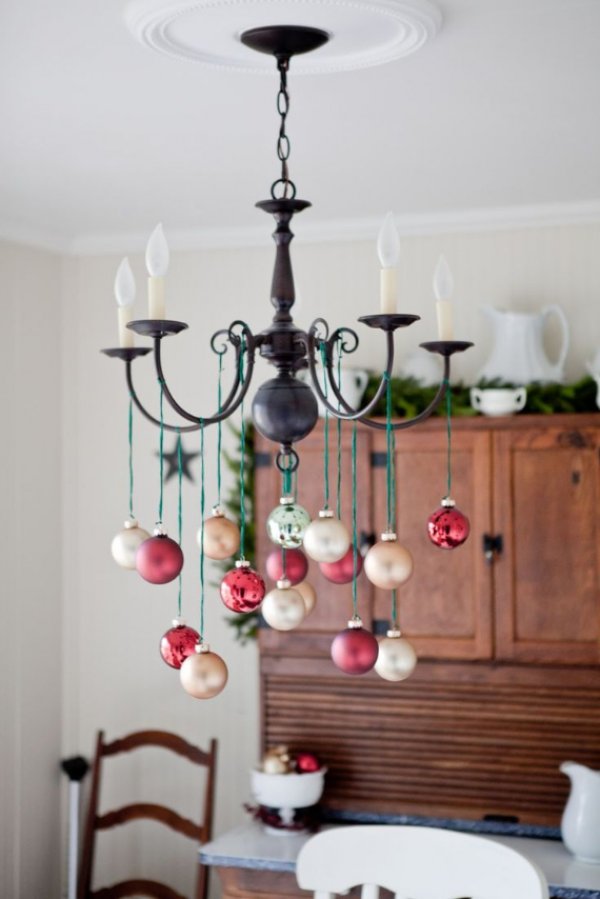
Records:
x=253, y=863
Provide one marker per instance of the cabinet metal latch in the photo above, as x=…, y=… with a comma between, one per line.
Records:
x=492, y=544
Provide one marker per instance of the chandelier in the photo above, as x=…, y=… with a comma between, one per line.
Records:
x=285, y=410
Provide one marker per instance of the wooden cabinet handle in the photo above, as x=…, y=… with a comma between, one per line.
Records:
x=492, y=544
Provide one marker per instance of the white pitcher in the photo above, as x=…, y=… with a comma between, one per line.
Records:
x=518, y=355
x=353, y=382
x=580, y=825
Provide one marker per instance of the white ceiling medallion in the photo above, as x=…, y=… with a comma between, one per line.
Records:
x=362, y=32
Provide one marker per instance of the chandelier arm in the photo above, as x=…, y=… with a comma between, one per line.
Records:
x=350, y=414
x=247, y=343
x=138, y=404
x=409, y=422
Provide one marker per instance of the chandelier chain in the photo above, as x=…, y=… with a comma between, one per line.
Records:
x=283, y=142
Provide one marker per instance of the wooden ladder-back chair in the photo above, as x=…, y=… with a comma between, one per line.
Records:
x=415, y=862
x=140, y=810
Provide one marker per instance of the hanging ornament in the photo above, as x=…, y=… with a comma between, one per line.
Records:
x=287, y=523
x=242, y=588
x=283, y=608
x=125, y=544
x=387, y=563
x=326, y=538
x=159, y=559
x=221, y=536
x=204, y=673
x=397, y=659
x=354, y=650
x=342, y=571
x=296, y=565
x=308, y=594
x=178, y=643
x=447, y=526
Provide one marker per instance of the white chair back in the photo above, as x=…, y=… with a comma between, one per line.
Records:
x=415, y=863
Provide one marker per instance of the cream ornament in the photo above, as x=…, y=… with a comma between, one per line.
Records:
x=221, y=536
x=326, y=538
x=204, y=673
x=308, y=594
x=283, y=608
x=125, y=544
x=388, y=564
x=397, y=658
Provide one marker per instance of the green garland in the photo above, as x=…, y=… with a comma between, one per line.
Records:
x=408, y=398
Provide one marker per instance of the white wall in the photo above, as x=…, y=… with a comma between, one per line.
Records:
x=30, y=599
x=114, y=677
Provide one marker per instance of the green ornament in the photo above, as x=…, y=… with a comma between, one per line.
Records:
x=287, y=523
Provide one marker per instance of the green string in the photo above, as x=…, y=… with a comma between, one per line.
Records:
x=390, y=458
x=179, y=511
x=325, y=430
x=449, y=432
x=339, y=440
x=354, y=529
x=242, y=461
x=161, y=463
x=202, y=504
x=130, y=437
x=219, y=435
x=394, y=621
x=286, y=483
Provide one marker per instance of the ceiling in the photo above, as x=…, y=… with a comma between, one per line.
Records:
x=102, y=137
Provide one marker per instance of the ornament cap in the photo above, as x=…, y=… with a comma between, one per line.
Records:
x=326, y=513
x=217, y=511
x=389, y=536
x=201, y=648
x=178, y=622
x=394, y=633
x=242, y=563
x=286, y=500
x=131, y=523
x=355, y=623
x=284, y=583
x=448, y=502
x=159, y=529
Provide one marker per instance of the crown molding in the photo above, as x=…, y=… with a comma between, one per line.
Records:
x=550, y=215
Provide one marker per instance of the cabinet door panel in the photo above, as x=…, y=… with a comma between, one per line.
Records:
x=547, y=579
x=445, y=608
x=334, y=603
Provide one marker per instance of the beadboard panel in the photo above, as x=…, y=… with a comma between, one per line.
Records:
x=443, y=743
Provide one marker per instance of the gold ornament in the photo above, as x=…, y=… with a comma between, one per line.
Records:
x=125, y=544
x=277, y=761
x=221, y=536
x=204, y=673
x=388, y=564
x=326, y=538
x=308, y=594
x=283, y=608
x=397, y=659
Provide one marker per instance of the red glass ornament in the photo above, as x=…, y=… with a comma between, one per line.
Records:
x=342, y=572
x=448, y=527
x=159, y=559
x=242, y=589
x=306, y=762
x=177, y=644
x=296, y=565
x=354, y=650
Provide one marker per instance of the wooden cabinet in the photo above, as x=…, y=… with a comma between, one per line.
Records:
x=508, y=682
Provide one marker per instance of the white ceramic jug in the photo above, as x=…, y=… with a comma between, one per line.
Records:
x=518, y=355
x=580, y=825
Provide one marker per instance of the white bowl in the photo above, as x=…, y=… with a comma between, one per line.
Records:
x=288, y=791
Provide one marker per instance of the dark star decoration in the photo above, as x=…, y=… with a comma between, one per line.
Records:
x=172, y=462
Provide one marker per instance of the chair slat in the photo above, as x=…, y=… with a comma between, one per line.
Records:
x=151, y=888
x=157, y=738
x=149, y=810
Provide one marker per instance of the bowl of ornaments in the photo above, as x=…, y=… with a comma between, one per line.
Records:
x=287, y=786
